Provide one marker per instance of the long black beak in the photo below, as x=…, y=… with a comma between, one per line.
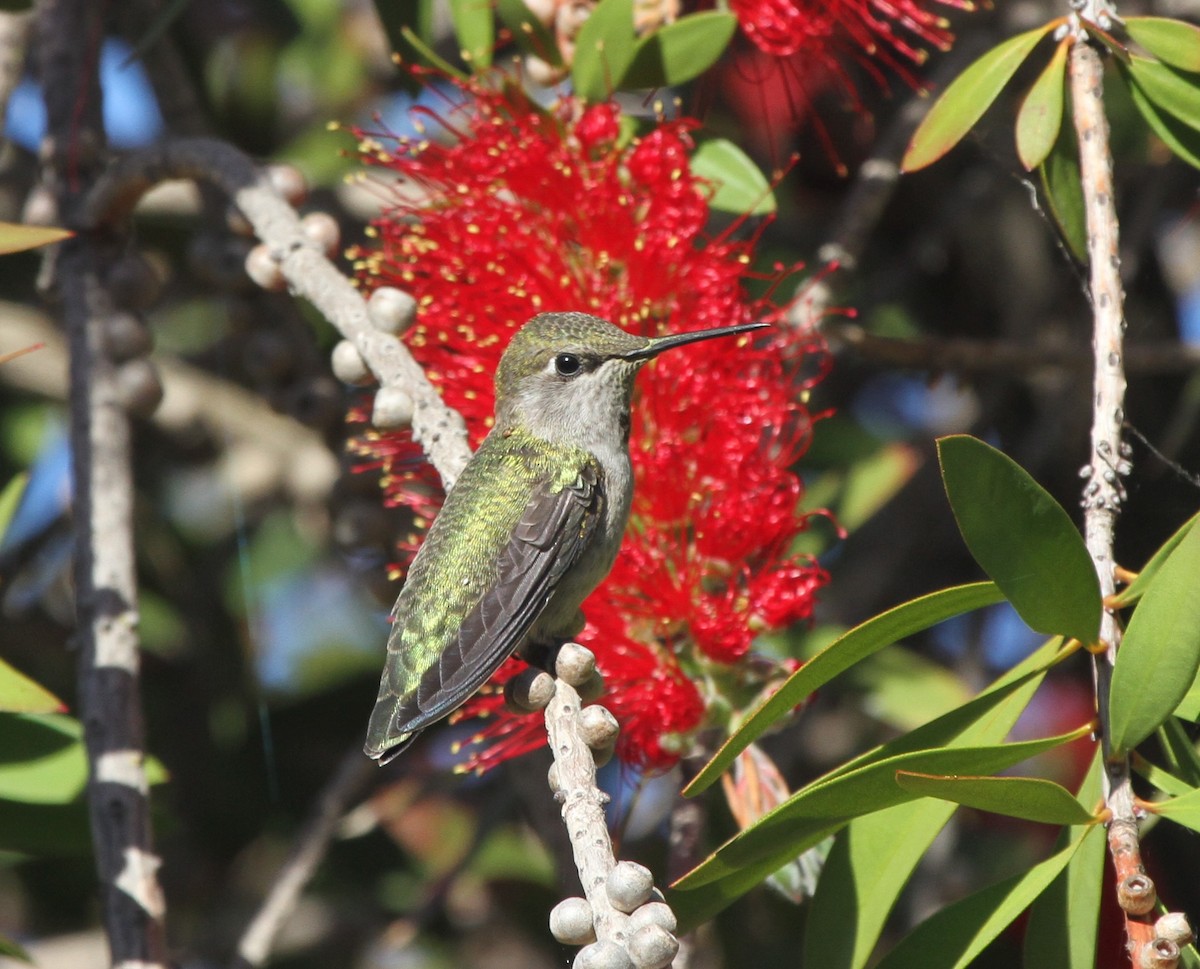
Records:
x=660, y=343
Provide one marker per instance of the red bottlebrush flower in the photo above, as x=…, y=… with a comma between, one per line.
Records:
x=809, y=45
x=530, y=210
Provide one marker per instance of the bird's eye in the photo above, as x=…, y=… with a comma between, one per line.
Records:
x=567, y=365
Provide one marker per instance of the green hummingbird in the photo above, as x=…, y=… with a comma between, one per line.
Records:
x=531, y=527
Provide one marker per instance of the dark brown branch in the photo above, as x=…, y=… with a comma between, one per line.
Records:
x=69, y=34
x=967, y=356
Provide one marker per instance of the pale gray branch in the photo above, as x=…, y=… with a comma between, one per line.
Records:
x=436, y=427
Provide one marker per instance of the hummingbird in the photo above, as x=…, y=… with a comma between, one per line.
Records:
x=531, y=527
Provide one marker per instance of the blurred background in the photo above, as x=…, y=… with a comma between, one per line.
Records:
x=263, y=551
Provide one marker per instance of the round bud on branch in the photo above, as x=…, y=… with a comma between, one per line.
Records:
x=629, y=886
x=574, y=664
x=571, y=922
x=602, y=955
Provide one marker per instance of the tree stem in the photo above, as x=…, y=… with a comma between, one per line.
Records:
x=1103, y=492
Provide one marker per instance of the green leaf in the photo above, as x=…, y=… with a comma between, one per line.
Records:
x=45, y=829
x=57, y=778
x=1063, y=189
x=680, y=51
x=428, y=54
x=1137, y=588
x=1028, y=798
x=1180, y=751
x=956, y=935
x=1022, y=538
x=402, y=18
x=1182, y=140
x=7, y=946
x=1041, y=114
x=1182, y=810
x=740, y=185
x=20, y=694
x=1161, y=779
x=10, y=498
x=529, y=32
x=984, y=720
x=475, y=30
x=860, y=642
x=604, y=50
x=1170, y=91
x=1189, y=706
x=1063, y=922
x=1160, y=651
x=1171, y=41
x=905, y=690
x=790, y=828
x=871, y=861
x=25, y=736
x=18, y=238
x=968, y=97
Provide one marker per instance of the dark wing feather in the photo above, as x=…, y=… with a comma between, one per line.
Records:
x=549, y=539
x=551, y=535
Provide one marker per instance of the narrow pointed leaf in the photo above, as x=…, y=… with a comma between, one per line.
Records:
x=529, y=32
x=1028, y=798
x=603, y=50
x=1171, y=41
x=967, y=98
x=680, y=51
x=1172, y=92
x=1041, y=114
x=20, y=694
x=1189, y=706
x=860, y=642
x=1183, y=810
x=1063, y=190
x=739, y=184
x=985, y=720
x=475, y=29
x=1022, y=538
x=26, y=737
x=18, y=238
x=976, y=722
x=1137, y=588
x=957, y=934
x=1160, y=651
x=871, y=788
x=1064, y=920
x=1161, y=779
x=1182, y=140
x=871, y=862
x=1179, y=751
x=399, y=20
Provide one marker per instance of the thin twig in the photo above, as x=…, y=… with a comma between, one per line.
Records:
x=1103, y=491
x=967, y=356
x=69, y=34
x=347, y=782
x=439, y=429
x=239, y=421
